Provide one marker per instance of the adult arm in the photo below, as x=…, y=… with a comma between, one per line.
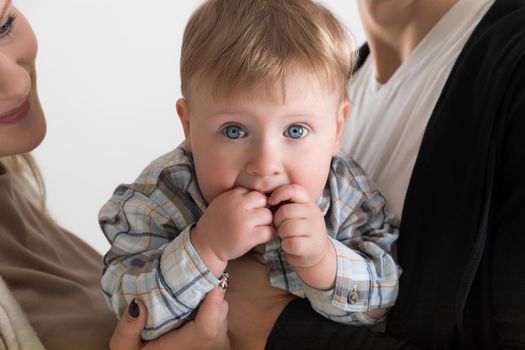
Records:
x=299, y=326
x=509, y=239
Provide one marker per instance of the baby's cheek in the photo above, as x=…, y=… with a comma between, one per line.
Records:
x=315, y=188
x=214, y=183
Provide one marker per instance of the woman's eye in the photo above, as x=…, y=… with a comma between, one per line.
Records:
x=234, y=132
x=6, y=27
x=296, y=131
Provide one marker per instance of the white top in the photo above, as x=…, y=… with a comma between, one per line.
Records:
x=387, y=121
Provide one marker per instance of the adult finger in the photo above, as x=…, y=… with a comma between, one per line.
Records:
x=212, y=315
x=127, y=333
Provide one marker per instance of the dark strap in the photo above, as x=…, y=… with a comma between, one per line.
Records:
x=362, y=55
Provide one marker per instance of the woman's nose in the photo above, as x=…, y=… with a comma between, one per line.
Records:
x=15, y=81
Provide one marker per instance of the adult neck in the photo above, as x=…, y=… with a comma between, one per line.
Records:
x=395, y=27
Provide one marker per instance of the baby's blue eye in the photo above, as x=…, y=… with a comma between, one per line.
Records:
x=296, y=131
x=234, y=132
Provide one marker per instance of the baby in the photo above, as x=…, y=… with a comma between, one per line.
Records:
x=258, y=188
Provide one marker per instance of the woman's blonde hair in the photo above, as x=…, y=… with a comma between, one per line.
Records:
x=24, y=170
x=232, y=46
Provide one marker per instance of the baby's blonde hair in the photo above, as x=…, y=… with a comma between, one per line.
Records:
x=237, y=46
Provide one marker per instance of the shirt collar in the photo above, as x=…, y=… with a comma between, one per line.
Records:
x=323, y=202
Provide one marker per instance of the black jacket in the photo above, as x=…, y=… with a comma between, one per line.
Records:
x=462, y=237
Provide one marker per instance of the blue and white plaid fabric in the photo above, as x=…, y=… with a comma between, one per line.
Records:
x=152, y=258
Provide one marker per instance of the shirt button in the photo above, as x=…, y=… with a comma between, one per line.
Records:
x=223, y=281
x=353, y=296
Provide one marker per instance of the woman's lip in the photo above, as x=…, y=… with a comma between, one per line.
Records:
x=17, y=114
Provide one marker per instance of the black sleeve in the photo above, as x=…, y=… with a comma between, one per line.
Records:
x=508, y=263
x=300, y=327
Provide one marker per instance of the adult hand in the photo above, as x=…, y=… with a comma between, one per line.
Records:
x=207, y=331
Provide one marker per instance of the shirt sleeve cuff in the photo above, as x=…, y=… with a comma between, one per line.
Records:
x=322, y=302
x=181, y=265
x=352, y=284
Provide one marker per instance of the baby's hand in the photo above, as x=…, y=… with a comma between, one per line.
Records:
x=300, y=224
x=234, y=222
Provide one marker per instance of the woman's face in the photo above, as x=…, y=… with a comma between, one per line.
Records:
x=22, y=123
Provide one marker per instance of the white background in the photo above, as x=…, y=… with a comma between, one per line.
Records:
x=108, y=77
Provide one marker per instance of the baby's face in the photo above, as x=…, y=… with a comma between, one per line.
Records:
x=262, y=144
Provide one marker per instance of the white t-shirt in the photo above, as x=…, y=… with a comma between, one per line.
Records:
x=387, y=121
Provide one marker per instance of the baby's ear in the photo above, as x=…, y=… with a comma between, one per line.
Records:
x=184, y=116
x=342, y=116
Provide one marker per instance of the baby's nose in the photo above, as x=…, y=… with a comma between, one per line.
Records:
x=266, y=161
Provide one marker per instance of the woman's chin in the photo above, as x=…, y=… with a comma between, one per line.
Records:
x=23, y=140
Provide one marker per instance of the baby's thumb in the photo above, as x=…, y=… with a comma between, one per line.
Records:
x=127, y=333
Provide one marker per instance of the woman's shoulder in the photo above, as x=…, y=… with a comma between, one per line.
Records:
x=491, y=60
x=502, y=27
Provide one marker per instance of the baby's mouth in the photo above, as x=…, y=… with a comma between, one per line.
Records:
x=276, y=207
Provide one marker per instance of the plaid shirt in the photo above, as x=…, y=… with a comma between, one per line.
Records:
x=151, y=257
